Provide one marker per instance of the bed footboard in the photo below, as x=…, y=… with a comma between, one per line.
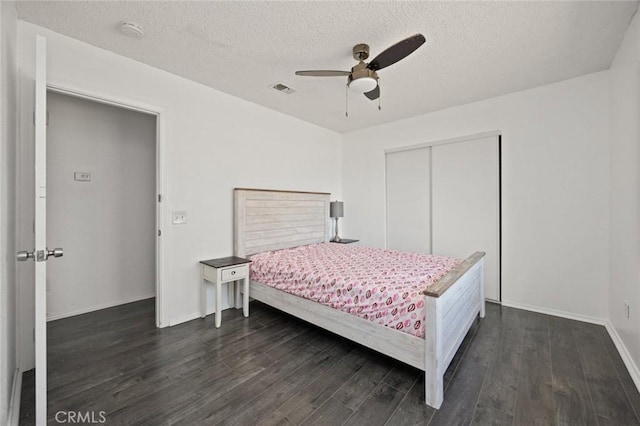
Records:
x=451, y=306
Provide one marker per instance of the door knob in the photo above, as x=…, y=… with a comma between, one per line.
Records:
x=56, y=252
x=23, y=255
x=42, y=255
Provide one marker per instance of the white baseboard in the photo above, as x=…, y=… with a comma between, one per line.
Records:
x=184, y=318
x=13, y=415
x=624, y=354
x=634, y=372
x=98, y=307
x=555, y=313
x=195, y=315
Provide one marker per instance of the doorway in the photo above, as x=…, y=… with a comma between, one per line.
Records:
x=102, y=204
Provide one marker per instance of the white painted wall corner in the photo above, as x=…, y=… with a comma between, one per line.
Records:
x=624, y=354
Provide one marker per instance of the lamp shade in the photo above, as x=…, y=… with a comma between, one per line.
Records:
x=336, y=209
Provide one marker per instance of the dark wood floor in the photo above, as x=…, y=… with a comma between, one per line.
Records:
x=514, y=368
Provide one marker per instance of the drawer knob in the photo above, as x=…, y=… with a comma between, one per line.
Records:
x=233, y=272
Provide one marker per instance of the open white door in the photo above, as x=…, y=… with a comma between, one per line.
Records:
x=41, y=253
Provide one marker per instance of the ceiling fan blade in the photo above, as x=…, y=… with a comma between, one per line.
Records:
x=323, y=73
x=374, y=94
x=396, y=52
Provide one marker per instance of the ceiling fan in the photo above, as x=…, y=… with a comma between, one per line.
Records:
x=363, y=77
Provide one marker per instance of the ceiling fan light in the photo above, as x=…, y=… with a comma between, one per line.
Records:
x=363, y=84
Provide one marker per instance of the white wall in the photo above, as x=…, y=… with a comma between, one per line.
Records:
x=625, y=193
x=8, y=119
x=555, y=185
x=213, y=142
x=107, y=225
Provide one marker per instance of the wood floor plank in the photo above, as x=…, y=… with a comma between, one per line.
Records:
x=607, y=393
x=497, y=398
x=331, y=413
x=324, y=339
x=139, y=358
x=161, y=404
x=570, y=391
x=534, y=404
x=402, y=376
x=275, y=418
x=108, y=318
x=412, y=409
x=84, y=356
x=207, y=409
x=261, y=407
x=354, y=391
x=491, y=416
x=285, y=350
x=378, y=406
x=129, y=390
x=248, y=348
x=302, y=405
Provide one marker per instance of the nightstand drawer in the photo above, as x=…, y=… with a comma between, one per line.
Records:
x=235, y=273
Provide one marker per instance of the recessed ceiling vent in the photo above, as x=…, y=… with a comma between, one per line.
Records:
x=282, y=88
x=131, y=30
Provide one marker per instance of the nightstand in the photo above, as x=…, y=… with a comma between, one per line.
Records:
x=345, y=241
x=220, y=271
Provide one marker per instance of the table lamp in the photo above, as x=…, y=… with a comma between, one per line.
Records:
x=336, y=209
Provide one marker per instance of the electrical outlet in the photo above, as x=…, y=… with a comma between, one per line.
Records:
x=179, y=218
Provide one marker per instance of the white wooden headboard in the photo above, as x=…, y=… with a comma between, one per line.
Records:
x=267, y=220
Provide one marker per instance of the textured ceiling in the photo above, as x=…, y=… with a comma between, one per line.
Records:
x=474, y=50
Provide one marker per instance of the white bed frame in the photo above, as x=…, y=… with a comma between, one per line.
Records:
x=270, y=220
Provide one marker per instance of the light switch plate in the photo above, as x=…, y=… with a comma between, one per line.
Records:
x=179, y=218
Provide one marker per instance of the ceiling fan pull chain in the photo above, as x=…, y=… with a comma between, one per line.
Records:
x=346, y=101
x=379, y=96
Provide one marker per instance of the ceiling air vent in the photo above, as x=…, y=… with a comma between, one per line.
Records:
x=131, y=29
x=282, y=88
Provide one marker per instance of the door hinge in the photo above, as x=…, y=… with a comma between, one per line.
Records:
x=159, y=233
x=159, y=198
x=47, y=119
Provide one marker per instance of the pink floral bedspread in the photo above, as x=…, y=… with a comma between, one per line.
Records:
x=375, y=284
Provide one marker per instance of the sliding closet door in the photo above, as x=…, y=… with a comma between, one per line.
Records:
x=465, y=204
x=408, y=200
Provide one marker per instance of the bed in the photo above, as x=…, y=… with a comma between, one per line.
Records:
x=268, y=220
